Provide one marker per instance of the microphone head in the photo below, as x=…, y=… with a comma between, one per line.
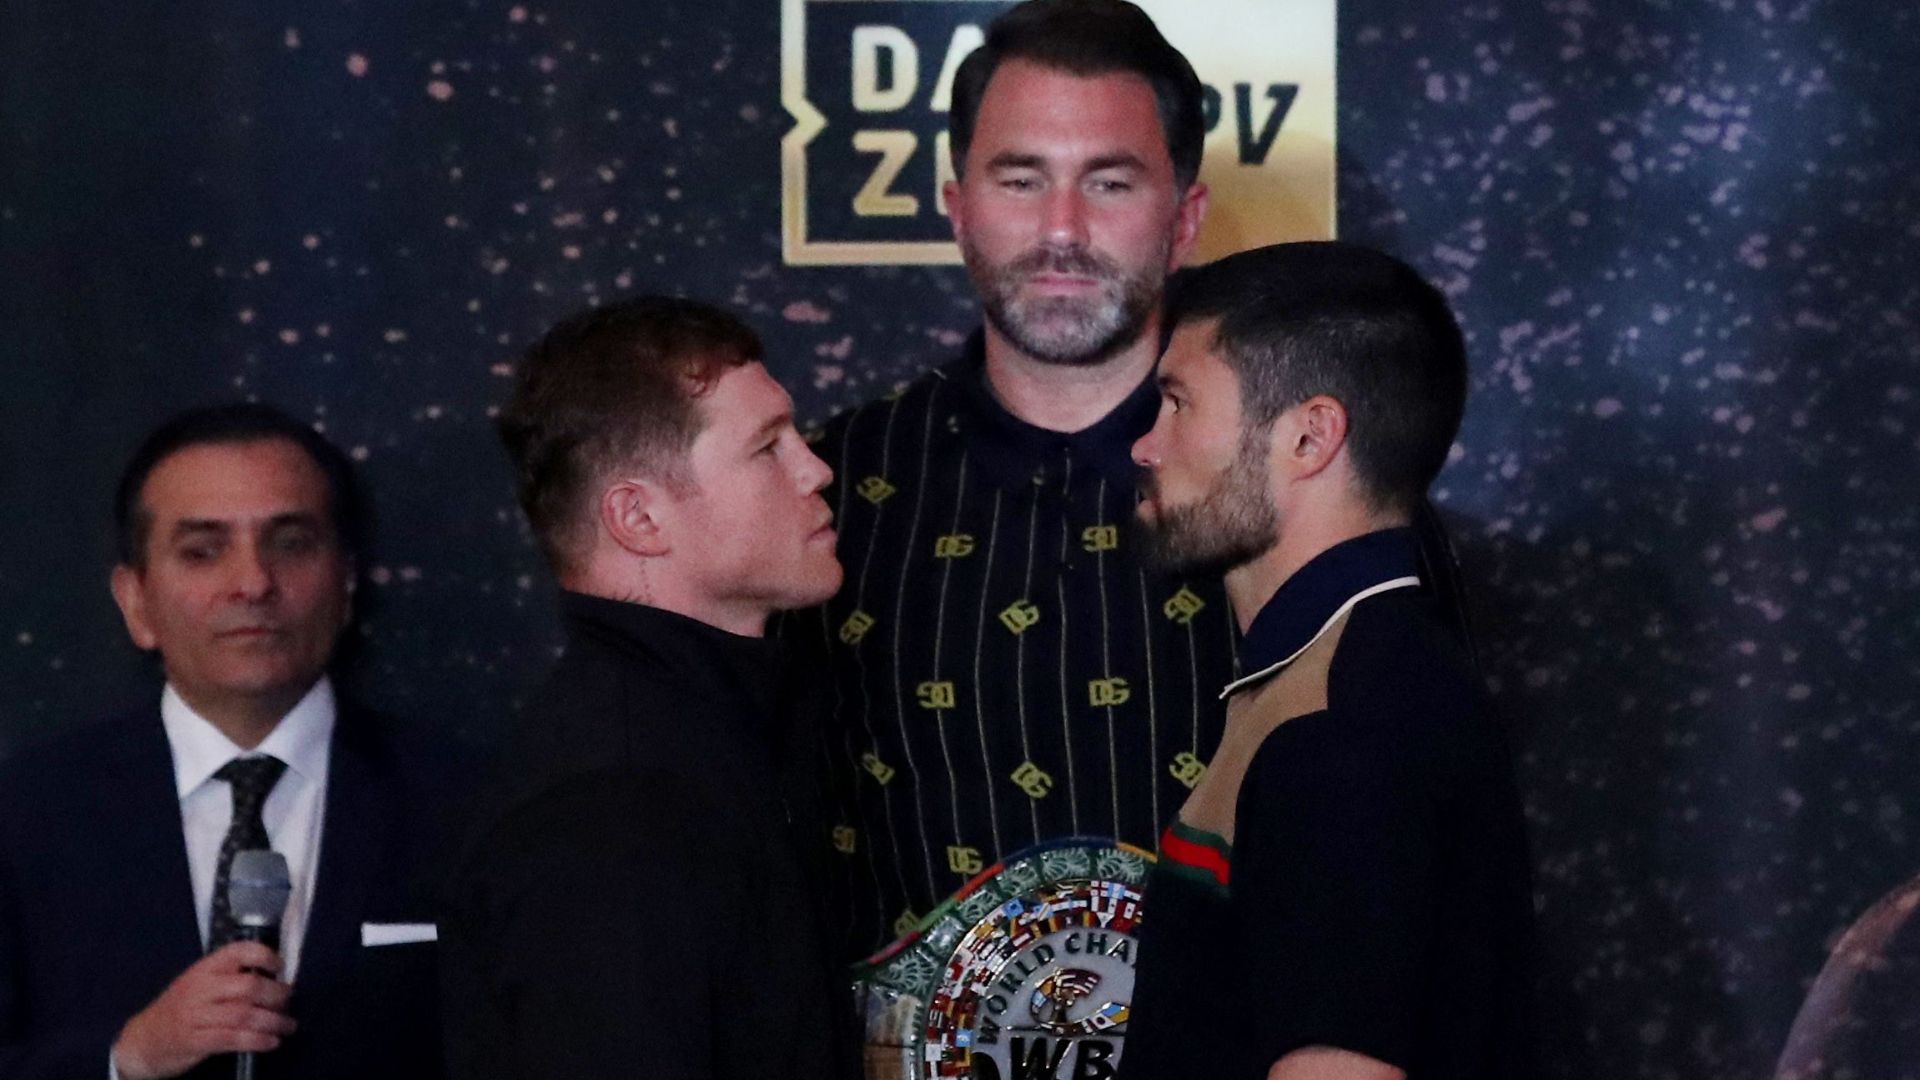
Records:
x=258, y=887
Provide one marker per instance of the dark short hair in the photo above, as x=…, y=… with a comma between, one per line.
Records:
x=227, y=425
x=1087, y=38
x=1362, y=327
x=612, y=388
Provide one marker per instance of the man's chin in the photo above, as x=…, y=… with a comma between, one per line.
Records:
x=1174, y=546
x=1063, y=350
x=1063, y=332
x=816, y=590
x=1157, y=548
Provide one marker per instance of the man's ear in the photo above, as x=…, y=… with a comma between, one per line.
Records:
x=950, y=194
x=637, y=515
x=1188, y=217
x=1310, y=436
x=126, y=585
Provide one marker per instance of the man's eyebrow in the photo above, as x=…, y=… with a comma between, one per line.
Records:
x=1016, y=159
x=293, y=517
x=206, y=526
x=772, y=425
x=1170, y=382
x=1120, y=160
x=1021, y=159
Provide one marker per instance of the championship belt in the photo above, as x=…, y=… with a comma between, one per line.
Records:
x=1027, y=972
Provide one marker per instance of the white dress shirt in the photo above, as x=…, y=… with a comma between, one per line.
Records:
x=293, y=812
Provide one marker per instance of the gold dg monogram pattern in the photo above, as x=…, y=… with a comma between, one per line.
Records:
x=1003, y=668
x=936, y=695
x=854, y=630
x=1187, y=769
x=876, y=490
x=1108, y=692
x=1182, y=606
x=1020, y=616
x=1033, y=780
x=956, y=546
x=965, y=860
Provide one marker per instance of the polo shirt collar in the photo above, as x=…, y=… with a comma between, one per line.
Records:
x=1014, y=447
x=1319, y=594
x=200, y=749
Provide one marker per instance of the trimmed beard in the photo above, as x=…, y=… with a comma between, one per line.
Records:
x=1066, y=330
x=1231, y=525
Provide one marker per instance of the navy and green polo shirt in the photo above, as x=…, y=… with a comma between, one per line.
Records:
x=1352, y=872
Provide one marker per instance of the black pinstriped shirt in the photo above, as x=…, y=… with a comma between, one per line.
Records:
x=1003, y=669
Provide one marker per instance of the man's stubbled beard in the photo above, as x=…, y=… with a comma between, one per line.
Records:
x=1231, y=525
x=1069, y=330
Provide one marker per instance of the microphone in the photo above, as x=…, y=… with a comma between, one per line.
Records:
x=257, y=889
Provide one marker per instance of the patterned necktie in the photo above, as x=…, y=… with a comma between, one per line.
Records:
x=251, y=779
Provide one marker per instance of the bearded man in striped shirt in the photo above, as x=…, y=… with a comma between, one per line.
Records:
x=1005, y=671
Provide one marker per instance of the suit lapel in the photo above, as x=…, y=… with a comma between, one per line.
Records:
x=359, y=826
x=148, y=843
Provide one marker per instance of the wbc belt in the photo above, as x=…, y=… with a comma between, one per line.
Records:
x=1025, y=972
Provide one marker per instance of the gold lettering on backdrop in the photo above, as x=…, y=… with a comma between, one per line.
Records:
x=869, y=42
x=876, y=197
x=886, y=75
x=966, y=38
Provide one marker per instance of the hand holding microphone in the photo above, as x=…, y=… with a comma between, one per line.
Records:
x=227, y=1002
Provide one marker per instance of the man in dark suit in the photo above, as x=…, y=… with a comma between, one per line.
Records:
x=118, y=952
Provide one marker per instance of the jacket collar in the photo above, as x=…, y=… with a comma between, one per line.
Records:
x=680, y=647
x=146, y=841
x=1319, y=594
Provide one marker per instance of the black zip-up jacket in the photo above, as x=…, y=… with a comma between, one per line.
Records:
x=643, y=894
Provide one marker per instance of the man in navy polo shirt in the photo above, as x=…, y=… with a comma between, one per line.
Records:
x=1001, y=669
x=1346, y=892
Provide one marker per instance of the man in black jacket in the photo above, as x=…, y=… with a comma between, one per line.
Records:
x=642, y=897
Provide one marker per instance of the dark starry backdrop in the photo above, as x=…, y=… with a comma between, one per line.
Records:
x=1684, y=237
